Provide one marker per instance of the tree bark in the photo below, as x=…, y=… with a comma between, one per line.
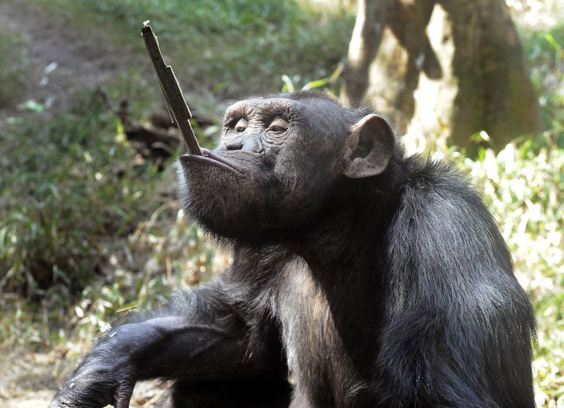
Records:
x=363, y=47
x=474, y=75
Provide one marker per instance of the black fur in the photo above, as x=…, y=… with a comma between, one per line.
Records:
x=394, y=290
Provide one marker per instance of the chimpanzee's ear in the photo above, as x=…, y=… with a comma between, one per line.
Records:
x=370, y=146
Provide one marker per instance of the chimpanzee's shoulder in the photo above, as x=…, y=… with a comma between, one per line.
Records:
x=426, y=174
x=440, y=190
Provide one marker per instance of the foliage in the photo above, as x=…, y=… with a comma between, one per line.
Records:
x=65, y=185
x=544, y=51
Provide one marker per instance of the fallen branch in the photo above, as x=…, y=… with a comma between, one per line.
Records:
x=176, y=104
x=151, y=141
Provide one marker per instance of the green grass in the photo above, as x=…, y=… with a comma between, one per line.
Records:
x=231, y=48
x=241, y=47
x=67, y=184
x=545, y=53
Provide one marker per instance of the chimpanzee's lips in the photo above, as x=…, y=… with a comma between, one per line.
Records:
x=211, y=159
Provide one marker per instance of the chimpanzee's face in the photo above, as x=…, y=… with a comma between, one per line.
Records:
x=275, y=165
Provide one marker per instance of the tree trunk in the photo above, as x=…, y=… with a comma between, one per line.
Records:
x=474, y=76
x=363, y=47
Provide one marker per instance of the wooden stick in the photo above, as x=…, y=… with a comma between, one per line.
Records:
x=176, y=104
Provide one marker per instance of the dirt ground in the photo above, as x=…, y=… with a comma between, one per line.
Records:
x=62, y=58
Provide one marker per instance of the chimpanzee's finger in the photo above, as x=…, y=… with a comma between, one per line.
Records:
x=124, y=393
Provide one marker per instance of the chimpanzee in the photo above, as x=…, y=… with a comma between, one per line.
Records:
x=361, y=278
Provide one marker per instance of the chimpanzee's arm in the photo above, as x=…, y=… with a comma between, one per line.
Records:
x=198, y=335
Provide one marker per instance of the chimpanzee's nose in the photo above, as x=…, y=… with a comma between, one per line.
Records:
x=243, y=142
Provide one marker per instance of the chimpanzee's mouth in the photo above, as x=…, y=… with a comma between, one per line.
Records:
x=212, y=159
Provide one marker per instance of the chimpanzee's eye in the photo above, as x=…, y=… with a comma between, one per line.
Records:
x=241, y=125
x=278, y=125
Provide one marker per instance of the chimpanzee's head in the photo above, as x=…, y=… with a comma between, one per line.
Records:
x=278, y=159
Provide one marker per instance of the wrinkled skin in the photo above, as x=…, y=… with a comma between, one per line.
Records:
x=264, y=142
x=368, y=278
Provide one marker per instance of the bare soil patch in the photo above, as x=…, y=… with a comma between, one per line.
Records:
x=62, y=58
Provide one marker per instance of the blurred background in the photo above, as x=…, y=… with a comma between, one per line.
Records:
x=90, y=223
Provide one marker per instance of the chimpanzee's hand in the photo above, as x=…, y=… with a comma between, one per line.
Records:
x=108, y=375
x=162, y=346
x=96, y=384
